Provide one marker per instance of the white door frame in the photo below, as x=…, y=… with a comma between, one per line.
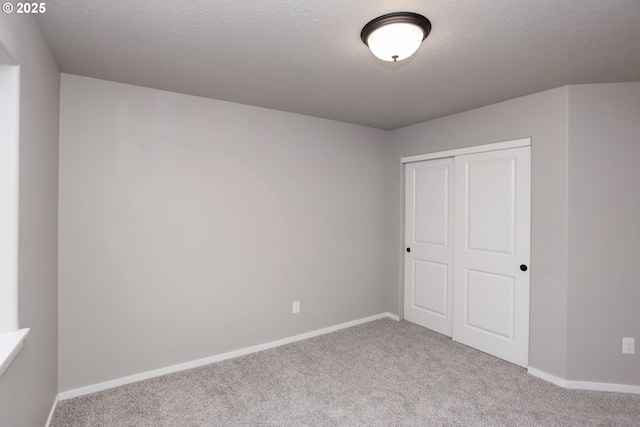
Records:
x=524, y=142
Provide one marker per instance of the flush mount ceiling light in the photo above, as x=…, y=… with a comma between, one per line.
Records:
x=396, y=36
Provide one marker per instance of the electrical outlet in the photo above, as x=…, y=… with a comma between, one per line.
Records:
x=628, y=346
x=296, y=307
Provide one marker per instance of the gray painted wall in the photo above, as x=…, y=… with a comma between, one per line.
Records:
x=222, y=214
x=29, y=385
x=543, y=117
x=604, y=232
x=188, y=226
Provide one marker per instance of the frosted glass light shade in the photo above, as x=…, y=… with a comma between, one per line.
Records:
x=395, y=42
x=395, y=36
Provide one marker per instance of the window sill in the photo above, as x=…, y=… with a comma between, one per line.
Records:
x=10, y=345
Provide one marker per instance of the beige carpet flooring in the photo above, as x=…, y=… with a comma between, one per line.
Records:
x=383, y=373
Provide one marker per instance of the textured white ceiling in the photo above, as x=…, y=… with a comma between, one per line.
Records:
x=306, y=56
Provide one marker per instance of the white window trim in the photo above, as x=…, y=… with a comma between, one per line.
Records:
x=11, y=339
x=10, y=345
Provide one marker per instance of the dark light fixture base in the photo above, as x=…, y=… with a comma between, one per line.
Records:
x=396, y=17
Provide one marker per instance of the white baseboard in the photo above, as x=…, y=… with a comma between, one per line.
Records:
x=53, y=409
x=69, y=394
x=392, y=316
x=584, y=385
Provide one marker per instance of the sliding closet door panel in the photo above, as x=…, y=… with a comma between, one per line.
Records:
x=492, y=245
x=429, y=244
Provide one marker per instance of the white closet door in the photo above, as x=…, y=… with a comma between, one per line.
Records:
x=429, y=244
x=492, y=251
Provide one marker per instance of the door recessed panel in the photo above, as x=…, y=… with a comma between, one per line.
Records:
x=490, y=290
x=491, y=205
x=431, y=287
x=432, y=205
